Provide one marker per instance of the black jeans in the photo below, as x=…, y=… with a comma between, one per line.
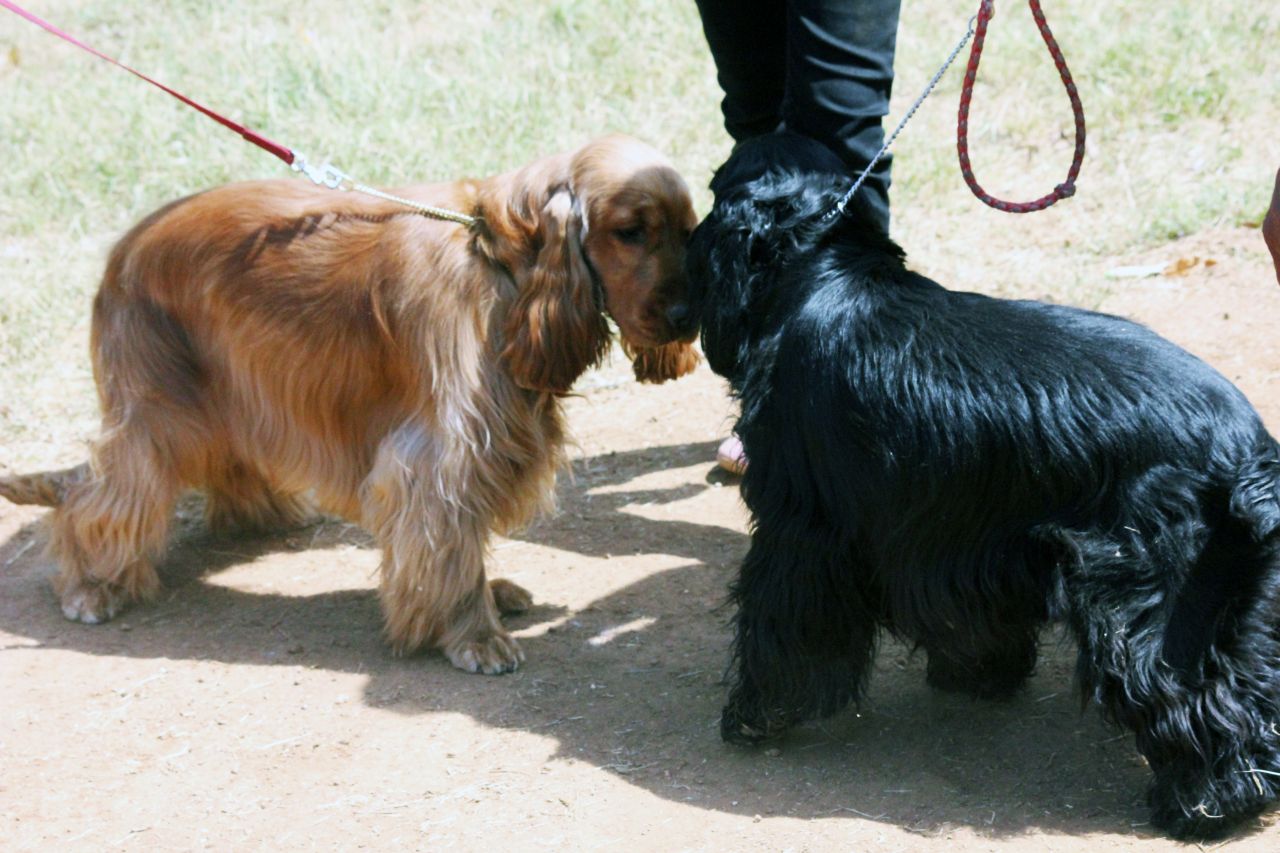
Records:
x=823, y=68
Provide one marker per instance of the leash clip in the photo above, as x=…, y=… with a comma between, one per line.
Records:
x=326, y=175
x=329, y=175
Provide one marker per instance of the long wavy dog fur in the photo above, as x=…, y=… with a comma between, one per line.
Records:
x=276, y=344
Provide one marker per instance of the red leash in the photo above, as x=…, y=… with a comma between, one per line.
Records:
x=253, y=136
x=985, y=13
x=1068, y=187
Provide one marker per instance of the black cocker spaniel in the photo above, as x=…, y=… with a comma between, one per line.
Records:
x=960, y=470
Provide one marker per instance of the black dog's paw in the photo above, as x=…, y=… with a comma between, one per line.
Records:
x=1203, y=822
x=993, y=675
x=1193, y=806
x=978, y=682
x=736, y=730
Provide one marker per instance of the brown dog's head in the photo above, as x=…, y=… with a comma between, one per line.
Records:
x=636, y=218
x=607, y=231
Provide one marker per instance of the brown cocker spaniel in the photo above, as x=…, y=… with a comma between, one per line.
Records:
x=279, y=345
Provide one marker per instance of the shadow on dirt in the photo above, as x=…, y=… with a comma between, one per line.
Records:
x=644, y=702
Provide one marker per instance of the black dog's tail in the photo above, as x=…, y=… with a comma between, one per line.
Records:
x=47, y=488
x=1241, y=552
x=1217, y=755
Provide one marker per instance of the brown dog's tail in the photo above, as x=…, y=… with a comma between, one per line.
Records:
x=48, y=488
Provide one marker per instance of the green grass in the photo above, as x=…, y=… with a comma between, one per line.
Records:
x=1182, y=103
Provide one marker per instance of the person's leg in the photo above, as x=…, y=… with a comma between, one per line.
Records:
x=1271, y=227
x=748, y=43
x=839, y=76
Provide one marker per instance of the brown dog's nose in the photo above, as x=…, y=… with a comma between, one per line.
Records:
x=680, y=317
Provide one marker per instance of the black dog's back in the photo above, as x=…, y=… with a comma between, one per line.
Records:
x=1007, y=429
x=959, y=469
x=1041, y=398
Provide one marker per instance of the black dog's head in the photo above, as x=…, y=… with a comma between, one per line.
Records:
x=772, y=197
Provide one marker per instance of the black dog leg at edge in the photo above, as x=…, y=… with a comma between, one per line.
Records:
x=790, y=669
x=994, y=674
x=1207, y=720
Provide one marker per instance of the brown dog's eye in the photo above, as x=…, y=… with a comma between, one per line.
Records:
x=632, y=235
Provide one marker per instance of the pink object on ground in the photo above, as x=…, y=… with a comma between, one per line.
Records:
x=731, y=457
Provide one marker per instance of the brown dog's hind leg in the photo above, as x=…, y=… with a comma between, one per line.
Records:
x=112, y=526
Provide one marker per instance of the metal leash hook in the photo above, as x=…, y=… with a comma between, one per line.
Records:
x=329, y=175
x=326, y=175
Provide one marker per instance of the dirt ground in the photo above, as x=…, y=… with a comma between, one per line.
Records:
x=254, y=706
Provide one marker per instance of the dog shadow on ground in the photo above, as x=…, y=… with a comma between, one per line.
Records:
x=642, y=702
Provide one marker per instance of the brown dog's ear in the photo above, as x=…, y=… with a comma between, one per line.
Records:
x=555, y=330
x=658, y=364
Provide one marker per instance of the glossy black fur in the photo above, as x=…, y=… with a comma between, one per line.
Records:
x=960, y=470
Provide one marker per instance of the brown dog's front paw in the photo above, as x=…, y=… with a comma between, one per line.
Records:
x=492, y=655
x=92, y=603
x=510, y=598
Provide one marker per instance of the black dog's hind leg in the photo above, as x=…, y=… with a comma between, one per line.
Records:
x=804, y=637
x=982, y=613
x=1222, y=645
x=994, y=673
x=1193, y=671
x=1216, y=752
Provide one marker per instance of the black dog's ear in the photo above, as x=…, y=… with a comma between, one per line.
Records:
x=729, y=255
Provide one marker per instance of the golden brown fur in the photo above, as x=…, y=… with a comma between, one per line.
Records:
x=273, y=340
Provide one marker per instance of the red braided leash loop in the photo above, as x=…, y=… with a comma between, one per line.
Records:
x=1067, y=188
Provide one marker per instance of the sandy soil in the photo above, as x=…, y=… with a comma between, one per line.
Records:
x=254, y=706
